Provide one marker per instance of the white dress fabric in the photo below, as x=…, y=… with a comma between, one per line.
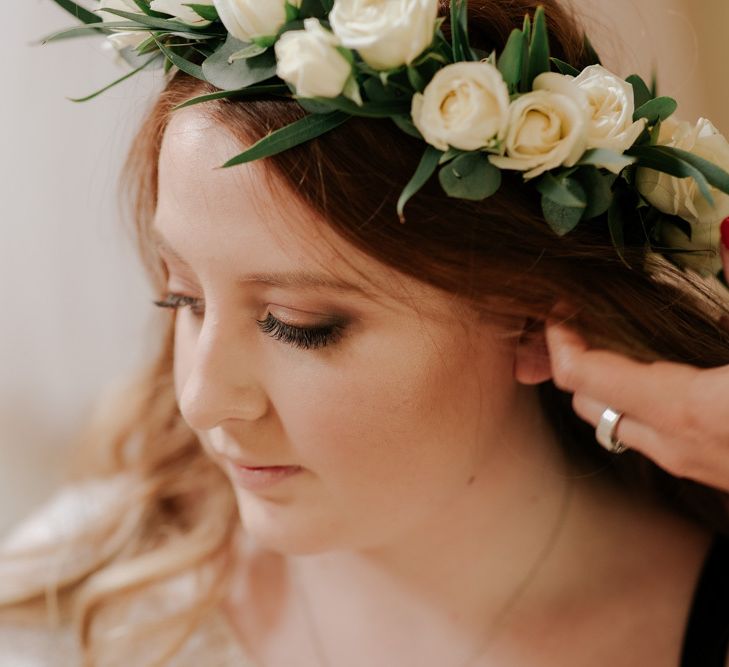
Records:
x=213, y=644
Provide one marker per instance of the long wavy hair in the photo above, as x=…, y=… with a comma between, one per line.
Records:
x=175, y=514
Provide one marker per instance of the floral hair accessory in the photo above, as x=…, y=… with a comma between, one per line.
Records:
x=595, y=146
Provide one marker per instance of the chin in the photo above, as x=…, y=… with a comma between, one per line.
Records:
x=286, y=529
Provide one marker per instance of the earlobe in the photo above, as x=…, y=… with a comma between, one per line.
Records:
x=532, y=364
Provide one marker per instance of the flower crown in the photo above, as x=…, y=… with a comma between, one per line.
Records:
x=593, y=144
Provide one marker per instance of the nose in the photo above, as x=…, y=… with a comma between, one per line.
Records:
x=216, y=375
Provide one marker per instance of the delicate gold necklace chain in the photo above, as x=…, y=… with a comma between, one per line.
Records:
x=500, y=616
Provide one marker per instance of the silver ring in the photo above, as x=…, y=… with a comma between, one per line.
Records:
x=605, y=431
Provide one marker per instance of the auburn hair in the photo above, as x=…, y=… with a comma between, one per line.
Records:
x=497, y=256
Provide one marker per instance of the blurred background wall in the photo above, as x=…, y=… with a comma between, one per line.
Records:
x=76, y=310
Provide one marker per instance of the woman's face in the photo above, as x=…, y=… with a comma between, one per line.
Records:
x=390, y=420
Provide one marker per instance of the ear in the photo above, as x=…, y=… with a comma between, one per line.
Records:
x=531, y=355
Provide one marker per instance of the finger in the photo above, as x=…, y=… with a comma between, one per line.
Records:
x=652, y=392
x=631, y=432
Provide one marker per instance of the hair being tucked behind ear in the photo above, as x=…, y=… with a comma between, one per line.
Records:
x=497, y=257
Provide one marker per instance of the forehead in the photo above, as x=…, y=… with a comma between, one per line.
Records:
x=245, y=210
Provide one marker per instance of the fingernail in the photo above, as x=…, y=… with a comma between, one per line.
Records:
x=725, y=233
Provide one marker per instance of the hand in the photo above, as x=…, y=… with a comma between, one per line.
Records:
x=675, y=414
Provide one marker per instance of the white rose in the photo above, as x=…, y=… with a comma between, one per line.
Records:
x=465, y=105
x=177, y=9
x=122, y=38
x=612, y=105
x=547, y=127
x=309, y=60
x=246, y=19
x=386, y=33
x=682, y=197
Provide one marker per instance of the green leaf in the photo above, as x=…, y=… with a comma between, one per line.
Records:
x=368, y=110
x=145, y=7
x=641, y=93
x=527, y=32
x=601, y=157
x=416, y=79
x=152, y=22
x=451, y=154
x=459, y=31
x=565, y=68
x=714, y=174
x=79, y=12
x=563, y=202
x=250, y=91
x=181, y=63
x=657, y=109
x=670, y=162
x=538, y=47
x=598, y=191
x=314, y=8
x=156, y=56
x=426, y=167
x=510, y=60
x=207, y=12
x=240, y=73
x=406, y=124
x=562, y=219
x=470, y=176
x=618, y=219
x=564, y=191
x=592, y=56
x=298, y=132
x=76, y=31
x=248, y=51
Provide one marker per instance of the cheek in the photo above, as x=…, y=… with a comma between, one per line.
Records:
x=400, y=417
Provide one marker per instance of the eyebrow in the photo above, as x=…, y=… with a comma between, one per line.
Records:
x=282, y=279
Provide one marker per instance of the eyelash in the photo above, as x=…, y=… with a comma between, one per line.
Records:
x=302, y=337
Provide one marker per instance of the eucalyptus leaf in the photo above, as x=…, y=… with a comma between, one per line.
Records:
x=641, y=93
x=561, y=219
x=451, y=154
x=565, y=68
x=470, y=176
x=538, y=47
x=510, y=60
x=298, y=132
x=416, y=79
x=250, y=91
x=247, y=52
x=657, y=109
x=564, y=191
x=598, y=191
x=426, y=167
x=240, y=73
x=79, y=12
